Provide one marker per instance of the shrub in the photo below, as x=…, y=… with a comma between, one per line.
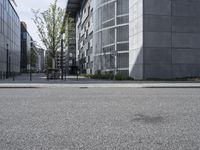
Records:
x=107, y=76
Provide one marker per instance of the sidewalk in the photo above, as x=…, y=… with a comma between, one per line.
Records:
x=39, y=80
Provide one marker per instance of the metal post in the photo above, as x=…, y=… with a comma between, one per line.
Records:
x=115, y=52
x=30, y=74
x=13, y=76
x=9, y=65
x=31, y=61
x=62, y=59
x=77, y=73
x=7, y=61
x=65, y=74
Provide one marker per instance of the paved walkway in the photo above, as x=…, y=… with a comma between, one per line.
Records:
x=39, y=80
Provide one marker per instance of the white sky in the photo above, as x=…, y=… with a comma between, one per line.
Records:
x=24, y=11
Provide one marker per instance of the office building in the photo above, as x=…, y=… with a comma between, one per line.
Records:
x=84, y=32
x=33, y=57
x=111, y=40
x=25, y=48
x=9, y=39
x=101, y=35
x=164, y=39
x=144, y=39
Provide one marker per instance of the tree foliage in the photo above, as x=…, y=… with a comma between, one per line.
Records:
x=50, y=26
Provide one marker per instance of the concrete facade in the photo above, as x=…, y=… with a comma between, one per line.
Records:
x=70, y=59
x=164, y=39
x=162, y=42
x=84, y=34
x=101, y=35
x=41, y=60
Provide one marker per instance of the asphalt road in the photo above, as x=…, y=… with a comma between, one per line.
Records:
x=100, y=119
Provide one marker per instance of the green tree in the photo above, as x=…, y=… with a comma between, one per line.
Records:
x=50, y=26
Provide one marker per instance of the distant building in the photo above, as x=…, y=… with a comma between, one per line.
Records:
x=84, y=32
x=31, y=56
x=41, y=60
x=25, y=48
x=47, y=60
x=59, y=60
x=34, y=57
x=71, y=61
x=9, y=39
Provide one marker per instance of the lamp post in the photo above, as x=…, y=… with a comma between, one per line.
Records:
x=30, y=58
x=62, y=58
x=115, y=52
x=7, y=62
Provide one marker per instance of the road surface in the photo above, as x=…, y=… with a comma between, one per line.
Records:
x=58, y=118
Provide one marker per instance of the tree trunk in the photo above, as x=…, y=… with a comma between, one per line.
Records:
x=53, y=63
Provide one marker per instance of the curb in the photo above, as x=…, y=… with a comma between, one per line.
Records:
x=109, y=85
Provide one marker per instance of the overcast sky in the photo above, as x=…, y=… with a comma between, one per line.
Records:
x=24, y=11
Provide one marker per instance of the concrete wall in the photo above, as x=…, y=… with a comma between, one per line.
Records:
x=186, y=38
x=157, y=39
x=170, y=39
x=136, y=38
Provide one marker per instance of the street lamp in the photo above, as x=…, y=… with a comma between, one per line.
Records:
x=62, y=41
x=7, y=62
x=30, y=59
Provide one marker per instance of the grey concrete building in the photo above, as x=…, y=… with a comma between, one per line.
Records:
x=144, y=39
x=41, y=60
x=9, y=39
x=164, y=39
x=71, y=61
x=84, y=33
x=79, y=52
x=111, y=36
x=101, y=35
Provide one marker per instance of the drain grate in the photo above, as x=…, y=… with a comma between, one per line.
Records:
x=83, y=87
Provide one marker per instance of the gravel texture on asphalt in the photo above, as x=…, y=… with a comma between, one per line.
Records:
x=99, y=119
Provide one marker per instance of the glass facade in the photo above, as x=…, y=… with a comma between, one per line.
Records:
x=111, y=36
x=9, y=38
x=26, y=40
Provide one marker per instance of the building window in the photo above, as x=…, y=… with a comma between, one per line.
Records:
x=70, y=55
x=70, y=62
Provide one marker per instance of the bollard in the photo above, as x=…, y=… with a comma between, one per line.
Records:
x=77, y=75
x=1, y=75
x=4, y=75
x=13, y=73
